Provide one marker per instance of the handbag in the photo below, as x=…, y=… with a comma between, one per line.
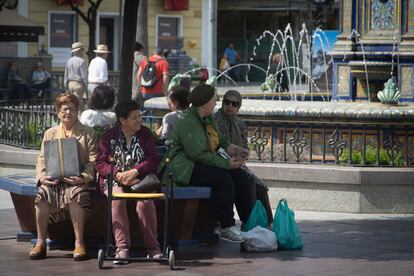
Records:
x=61, y=157
x=148, y=184
x=285, y=228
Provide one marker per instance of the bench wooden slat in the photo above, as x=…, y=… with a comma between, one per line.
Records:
x=21, y=184
x=139, y=195
x=191, y=192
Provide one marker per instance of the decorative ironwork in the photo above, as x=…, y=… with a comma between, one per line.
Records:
x=393, y=146
x=259, y=142
x=297, y=142
x=3, y=125
x=337, y=143
x=23, y=125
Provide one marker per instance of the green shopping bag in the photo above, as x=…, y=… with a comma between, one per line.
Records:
x=257, y=217
x=284, y=225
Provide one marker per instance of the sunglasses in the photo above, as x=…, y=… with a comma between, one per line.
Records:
x=228, y=102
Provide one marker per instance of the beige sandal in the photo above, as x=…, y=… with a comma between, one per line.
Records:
x=79, y=254
x=38, y=252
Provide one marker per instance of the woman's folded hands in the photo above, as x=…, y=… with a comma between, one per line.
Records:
x=128, y=177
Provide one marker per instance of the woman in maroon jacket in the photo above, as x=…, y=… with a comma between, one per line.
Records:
x=135, y=143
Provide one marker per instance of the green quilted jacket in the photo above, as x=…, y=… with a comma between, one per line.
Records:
x=190, y=144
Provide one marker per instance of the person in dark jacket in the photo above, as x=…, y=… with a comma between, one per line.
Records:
x=201, y=157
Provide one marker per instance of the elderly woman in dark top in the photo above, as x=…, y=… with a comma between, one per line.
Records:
x=235, y=130
x=137, y=142
x=200, y=156
x=70, y=193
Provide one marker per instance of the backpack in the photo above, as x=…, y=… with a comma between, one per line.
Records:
x=149, y=76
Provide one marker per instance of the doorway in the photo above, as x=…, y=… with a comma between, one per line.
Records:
x=106, y=36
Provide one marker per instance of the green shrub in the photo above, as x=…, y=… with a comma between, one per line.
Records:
x=32, y=138
x=371, y=157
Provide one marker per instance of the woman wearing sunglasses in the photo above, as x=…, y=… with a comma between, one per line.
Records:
x=235, y=130
x=201, y=157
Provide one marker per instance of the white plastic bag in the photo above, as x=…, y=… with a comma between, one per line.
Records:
x=259, y=239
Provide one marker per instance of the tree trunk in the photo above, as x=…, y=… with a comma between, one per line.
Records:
x=92, y=37
x=127, y=53
x=142, y=25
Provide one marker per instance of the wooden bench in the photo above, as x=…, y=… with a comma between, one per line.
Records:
x=194, y=216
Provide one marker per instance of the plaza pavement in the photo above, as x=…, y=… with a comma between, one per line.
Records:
x=335, y=244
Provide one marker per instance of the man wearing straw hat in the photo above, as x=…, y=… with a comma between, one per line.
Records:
x=76, y=72
x=98, y=69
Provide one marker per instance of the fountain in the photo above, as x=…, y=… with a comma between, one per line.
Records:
x=376, y=43
x=337, y=121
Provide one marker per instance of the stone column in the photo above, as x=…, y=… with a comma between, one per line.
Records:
x=346, y=10
x=209, y=35
x=407, y=37
x=406, y=51
x=342, y=52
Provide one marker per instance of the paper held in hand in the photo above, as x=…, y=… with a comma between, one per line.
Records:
x=61, y=158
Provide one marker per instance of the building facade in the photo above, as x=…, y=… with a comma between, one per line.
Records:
x=178, y=29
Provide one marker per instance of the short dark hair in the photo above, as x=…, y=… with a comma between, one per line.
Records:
x=123, y=109
x=138, y=46
x=103, y=97
x=179, y=94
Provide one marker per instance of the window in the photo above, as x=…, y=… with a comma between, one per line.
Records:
x=61, y=35
x=169, y=29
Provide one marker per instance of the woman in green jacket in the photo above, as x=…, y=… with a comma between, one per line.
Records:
x=201, y=157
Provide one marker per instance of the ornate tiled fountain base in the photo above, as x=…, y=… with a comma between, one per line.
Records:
x=322, y=179
x=296, y=110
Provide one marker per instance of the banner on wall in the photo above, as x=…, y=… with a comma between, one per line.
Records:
x=176, y=5
x=168, y=32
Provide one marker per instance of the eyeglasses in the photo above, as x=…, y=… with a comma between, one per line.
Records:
x=228, y=102
x=66, y=109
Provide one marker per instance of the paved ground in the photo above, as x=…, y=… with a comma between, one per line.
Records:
x=335, y=244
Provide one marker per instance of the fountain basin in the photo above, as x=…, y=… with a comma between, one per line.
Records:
x=315, y=180
x=306, y=111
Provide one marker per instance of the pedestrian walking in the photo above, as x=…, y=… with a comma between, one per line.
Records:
x=232, y=58
x=136, y=86
x=98, y=68
x=76, y=73
x=159, y=86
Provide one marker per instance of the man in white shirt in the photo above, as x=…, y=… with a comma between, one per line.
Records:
x=76, y=72
x=98, y=69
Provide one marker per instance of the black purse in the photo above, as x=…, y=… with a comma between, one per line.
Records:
x=149, y=184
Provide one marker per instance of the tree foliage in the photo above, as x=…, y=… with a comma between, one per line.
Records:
x=90, y=19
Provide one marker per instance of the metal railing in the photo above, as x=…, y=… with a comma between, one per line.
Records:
x=345, y=143
x=22, y=124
